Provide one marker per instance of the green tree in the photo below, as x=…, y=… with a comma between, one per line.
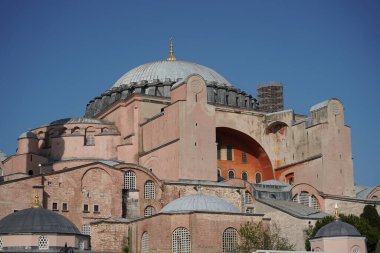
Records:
x=257, y=236
x=371, y=215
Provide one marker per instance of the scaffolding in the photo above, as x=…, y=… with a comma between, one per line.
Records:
x=270, y=97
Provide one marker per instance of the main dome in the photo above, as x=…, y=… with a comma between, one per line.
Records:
x=169, y=71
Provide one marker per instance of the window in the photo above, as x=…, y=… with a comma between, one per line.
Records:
x=304, y=198
x=81, y=245
x=96, y=208
x=244, y=176
x=54, y=206
x=64, y=207
x=149, y=190
x=219, y=174
x=1, y=243
x=181, y=241
x=149, y=211
x=43, y=242
x=231, y=174
x=30, y=173
x=244, y=157
x=230, y=240
x=85, y=208
x=86, y=229
x=247, y=198
x=145, y=243
x=314, y=202
x=250, y=210
x=258, y=178
x=130, y=180
x=229, y=152
x=373, y=197
x=355, y=249
x=90, y=137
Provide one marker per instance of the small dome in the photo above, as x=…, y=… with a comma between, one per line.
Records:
x=36, y=220
x=28, y=134
x=169, y=70
x=199, y=202
x=337, y=228
x=3, y=156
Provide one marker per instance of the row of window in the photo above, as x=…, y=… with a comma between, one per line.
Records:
x=307, y=199
x=229, y=153
x=43, y=243
x=244, y=175
x=54, y=207
x=130, y=184
x=95, y=209
x=181, y=241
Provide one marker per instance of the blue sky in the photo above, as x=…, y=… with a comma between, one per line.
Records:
x=55, y=56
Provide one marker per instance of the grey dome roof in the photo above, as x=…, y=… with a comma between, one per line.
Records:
x=36, y=220
x=337, y=228
x=199, y=202
x=27, y=134
x=173, y=70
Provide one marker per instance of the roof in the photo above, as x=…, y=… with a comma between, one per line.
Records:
x=337, y=228
x=363, y=191
x=293, y=208
x=28, y=134
x=199, y=202
x=36, y=220
x=169, y=70
x=79, y=120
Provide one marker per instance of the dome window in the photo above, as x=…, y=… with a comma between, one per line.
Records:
x=43, y=242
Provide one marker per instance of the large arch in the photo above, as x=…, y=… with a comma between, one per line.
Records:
x=239, y=152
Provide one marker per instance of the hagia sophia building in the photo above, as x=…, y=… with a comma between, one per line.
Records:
x=174, y=158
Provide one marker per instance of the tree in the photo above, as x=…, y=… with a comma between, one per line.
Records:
x=371, y=215
x=257, y=236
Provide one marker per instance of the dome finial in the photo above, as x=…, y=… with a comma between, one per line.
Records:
x=36, y=202
x=336, y=212
x=171, y=56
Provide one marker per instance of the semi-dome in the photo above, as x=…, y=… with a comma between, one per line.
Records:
x=199, y=202
x=36, y=220
x=337, y=228
x=172, y=70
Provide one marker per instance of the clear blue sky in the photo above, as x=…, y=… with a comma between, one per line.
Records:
x=55, y=56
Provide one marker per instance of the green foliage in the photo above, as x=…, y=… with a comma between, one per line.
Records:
x=360, y=223
x=371, y=215
x=256, y=236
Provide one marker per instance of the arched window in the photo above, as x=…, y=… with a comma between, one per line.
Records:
x=219, y=174
x=314, y=203
x=373, y=197
x=89, y=139
x=304, y=198
x=130, y=180
x=86, y=229
x=230, y=240
x=231, y=174
x=149, y=211
x=258, y=178
x=149, y=190
x=1, y=243
x=181, y=241
x=145, y=243
x=43, y=242
x=75, y=130
x=247, y=198
x=244, y=176
x=355, y=249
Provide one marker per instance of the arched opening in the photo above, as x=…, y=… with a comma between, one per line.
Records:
x=145, y=241
x=258, y=177
x=276, y=127
x=149, y=211
x=181, y=242
x=149, y=190
x=240, y=151
x=231, y=174
x=230, y=240
x=244, y=176
x=89, y=139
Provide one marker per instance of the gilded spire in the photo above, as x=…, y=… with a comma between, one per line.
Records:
x=171, y=56
x=36, y=202
x=336, y=212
